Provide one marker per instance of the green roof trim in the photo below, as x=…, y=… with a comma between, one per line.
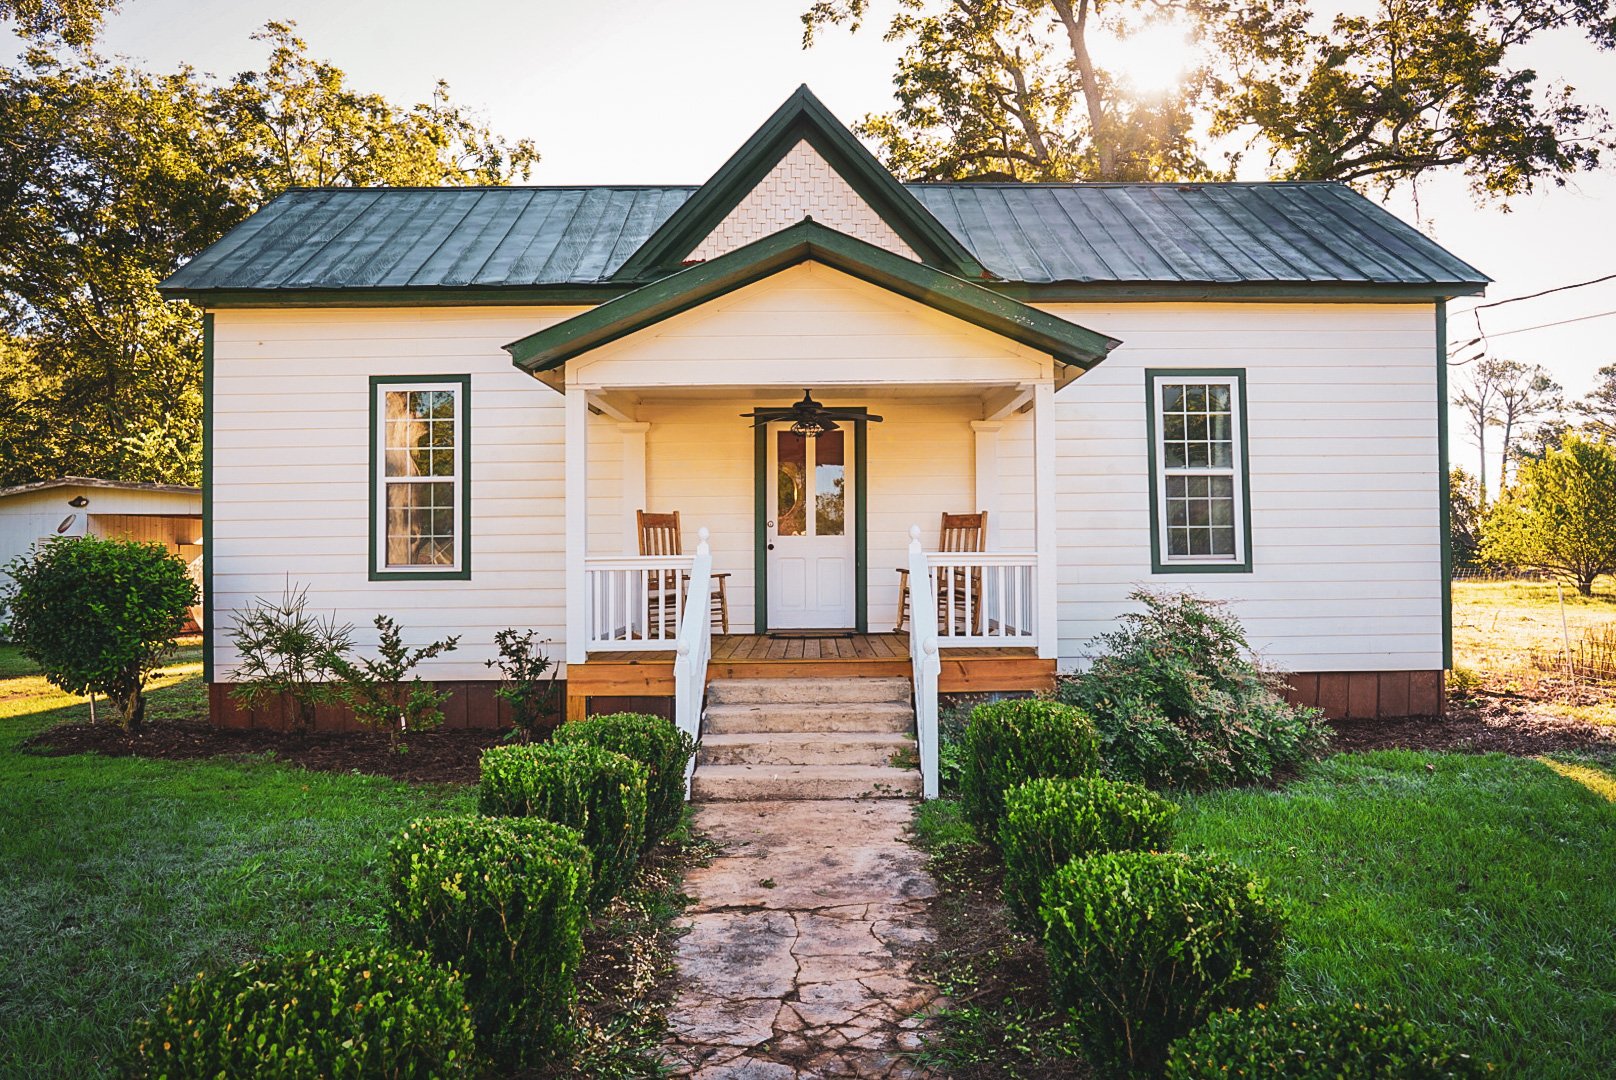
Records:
x=803, y=117
x=806, y=241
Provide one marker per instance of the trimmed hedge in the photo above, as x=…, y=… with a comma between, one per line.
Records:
x=1143, y=947
x=1318, y=1042
x=1049, y=822
x=597, y=792
x=654, y=742
x=502, y=899
x=363, y=1013
x=1007, y=743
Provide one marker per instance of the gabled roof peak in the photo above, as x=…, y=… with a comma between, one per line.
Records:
x=802, y=117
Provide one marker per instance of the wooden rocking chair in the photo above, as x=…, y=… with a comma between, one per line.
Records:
x=660, y=535
x=959, y=532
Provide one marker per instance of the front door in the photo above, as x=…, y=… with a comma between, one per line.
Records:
x=810, y=530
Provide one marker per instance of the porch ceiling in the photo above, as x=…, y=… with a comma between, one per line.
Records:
x=544, y=354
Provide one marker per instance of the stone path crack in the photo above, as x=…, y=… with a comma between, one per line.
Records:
x=797, y=963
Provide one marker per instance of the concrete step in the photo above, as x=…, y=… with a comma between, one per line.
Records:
x=805, y=748
x=801, y=691
x=730, y=783
x=887, y=717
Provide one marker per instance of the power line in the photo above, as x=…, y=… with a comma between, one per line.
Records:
x=1483, y=338
x=1544, y=292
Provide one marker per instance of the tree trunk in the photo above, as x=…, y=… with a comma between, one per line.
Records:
x=1585, y=586
x=133, y=707
x=1481, y=471
x=1077, y=35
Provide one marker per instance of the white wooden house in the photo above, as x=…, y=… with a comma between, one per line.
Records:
x=448, y=405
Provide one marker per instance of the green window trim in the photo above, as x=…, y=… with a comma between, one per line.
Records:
x=462, y=387
x=1160, y=562
x=208, y=636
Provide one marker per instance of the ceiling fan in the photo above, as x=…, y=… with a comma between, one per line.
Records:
x=808, y=417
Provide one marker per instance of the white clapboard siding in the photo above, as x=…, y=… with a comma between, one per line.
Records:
x=1343, y=460
x=291, y=459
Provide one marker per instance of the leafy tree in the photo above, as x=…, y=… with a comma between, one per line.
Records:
x=1598, y=406
x=1022, y=88
x=99, y=616
x=381, y=692
x=1464, y=518
x=73, y=22
x=1525, y=394
x=1014, y=90
x=1557, y=518
x=115, y=177
x=288, y=654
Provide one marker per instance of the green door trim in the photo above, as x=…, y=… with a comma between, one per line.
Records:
x=760, y=515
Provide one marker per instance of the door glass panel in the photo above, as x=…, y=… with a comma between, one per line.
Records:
x=830, y=477
x=791, y=482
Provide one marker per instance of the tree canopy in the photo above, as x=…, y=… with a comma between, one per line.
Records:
x=116, y=176
x=1025, y=89
x=1557, y=517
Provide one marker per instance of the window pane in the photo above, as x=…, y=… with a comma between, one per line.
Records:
x=1218, y=398
x=1172, y=397
x=830, y=475
x=1196, y=469
x=420, y=524
x=791, y=484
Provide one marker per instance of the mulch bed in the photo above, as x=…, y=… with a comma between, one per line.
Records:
x=433, y=757
x=1491, y=722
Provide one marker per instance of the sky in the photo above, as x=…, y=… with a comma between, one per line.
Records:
x=662, y=91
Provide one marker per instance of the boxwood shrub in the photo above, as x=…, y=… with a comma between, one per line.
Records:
x=1010, y=742
x=363, y=1013
x=502, y=899
x=1144, y=946
x=598, y=792
x=1318, y=1042
x=1049, y=822
x=654, y=742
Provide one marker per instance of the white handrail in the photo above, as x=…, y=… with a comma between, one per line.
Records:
x=634, y=602
x=694, y=649
x=985, y=598
x=924, y=660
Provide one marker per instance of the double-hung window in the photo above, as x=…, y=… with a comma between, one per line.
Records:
x=1199, y=511
x=420, y=456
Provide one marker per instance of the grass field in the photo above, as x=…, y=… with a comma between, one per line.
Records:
x=1498, y=626
x=123, y=875
x=1472, y=891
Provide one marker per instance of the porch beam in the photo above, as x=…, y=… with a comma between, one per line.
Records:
x=617, y=406
x=576, y=490
x=999, y=404
x=1043, y=416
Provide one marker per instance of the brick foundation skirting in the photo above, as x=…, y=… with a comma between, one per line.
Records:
x=1369, y=695
x=472, y=705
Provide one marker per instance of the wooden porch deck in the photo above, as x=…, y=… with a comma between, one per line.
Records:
x=762, y=656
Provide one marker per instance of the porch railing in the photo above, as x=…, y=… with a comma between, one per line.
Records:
x=692, y=651
x=636, y=601
x=984, y=598
x=925, y=663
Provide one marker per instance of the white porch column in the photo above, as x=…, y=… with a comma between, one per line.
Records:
x=1043, y=417
x=634, y=467
x=577, y=518
x=987, y=475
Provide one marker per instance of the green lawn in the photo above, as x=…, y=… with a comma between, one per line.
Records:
x=1478, y=893
x=121, y=875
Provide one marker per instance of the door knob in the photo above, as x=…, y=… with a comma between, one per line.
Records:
x=771, y=547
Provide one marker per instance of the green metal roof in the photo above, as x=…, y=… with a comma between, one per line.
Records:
x=553, y=346
x=568, y=240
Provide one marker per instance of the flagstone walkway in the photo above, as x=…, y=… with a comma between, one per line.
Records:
x=797, y=961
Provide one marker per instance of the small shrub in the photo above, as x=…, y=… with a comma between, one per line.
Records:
x=99, y=616
x=1317, y=1043
x=523, y=683
x=1047, y=823
x=597, y=792
x=1008, y=743
x=376, y=690
x=364, y=1013
x=657, y=744
x=1463, y=681
x=501, y=899
x=285, y=652
x=1143, y=947
x=951, y=721
x=1180, y=702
